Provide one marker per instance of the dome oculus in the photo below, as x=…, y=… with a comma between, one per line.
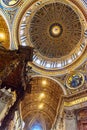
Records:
x=55, y=30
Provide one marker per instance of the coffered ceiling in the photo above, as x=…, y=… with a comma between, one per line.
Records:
x=43, y=100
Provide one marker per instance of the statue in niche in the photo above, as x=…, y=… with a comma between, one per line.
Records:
x=13, y=75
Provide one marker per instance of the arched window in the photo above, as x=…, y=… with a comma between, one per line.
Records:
x=36, y=126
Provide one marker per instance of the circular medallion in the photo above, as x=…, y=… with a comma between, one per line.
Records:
x=75, y=80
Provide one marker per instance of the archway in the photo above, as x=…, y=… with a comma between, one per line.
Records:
x=39, y=108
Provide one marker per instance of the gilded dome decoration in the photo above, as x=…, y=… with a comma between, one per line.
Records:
x=56, y=30
x=51, y=29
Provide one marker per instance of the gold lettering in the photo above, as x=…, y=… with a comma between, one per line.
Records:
x=75, y=101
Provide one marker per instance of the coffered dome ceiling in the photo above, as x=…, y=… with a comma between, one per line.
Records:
x=56, y=30
x=51, y=29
